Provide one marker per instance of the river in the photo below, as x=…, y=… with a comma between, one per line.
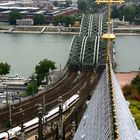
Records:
x=127, y=53
x=24, y=51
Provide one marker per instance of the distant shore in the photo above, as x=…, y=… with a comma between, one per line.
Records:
x=41, y=30
x=34, y=32
x=60, y=30
x=127, y=34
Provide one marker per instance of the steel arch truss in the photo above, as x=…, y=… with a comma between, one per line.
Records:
x=76, y=51
x=89, y=52
x=101, y=54
x=85, y=25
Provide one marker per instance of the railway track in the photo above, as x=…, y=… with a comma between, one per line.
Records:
x=71, y=84
x=79, y=108
x=29, y=107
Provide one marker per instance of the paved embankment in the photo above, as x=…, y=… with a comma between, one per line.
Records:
x=41, y=29
x=125, y=78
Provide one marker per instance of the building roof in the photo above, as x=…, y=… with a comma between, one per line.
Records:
x=18, y=8
x=39, y=12
x=7, y=3
x=24, y=12
x=5, y=12
x=96, y=123
x=126, y=124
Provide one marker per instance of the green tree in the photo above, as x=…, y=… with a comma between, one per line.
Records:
x=32, y=88
x=57, y=20
x=68, y=20
x=42, y=69
x=4, y=68
x=136, y=83
x=129, y=12
x=93, y=7
x=39, y=19
x=137, y=21
x=67, y=4
x=55, y=3
x=82, y=6
x=13, y=16
x=115, y=12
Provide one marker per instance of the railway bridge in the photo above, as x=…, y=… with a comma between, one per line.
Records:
x=89, y=74
x=107, y=116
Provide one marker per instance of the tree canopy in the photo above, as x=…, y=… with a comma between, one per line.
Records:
x=39, y=19
x=129, y=12
x=4, y=68
x=13, y=16
x=88, y=6
x=64, y=20
x=82, y=6
x=42, y=69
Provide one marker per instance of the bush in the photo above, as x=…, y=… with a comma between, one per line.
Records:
x=135, y=110
x=127, y=90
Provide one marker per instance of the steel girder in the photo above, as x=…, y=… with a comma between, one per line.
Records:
x=101, y=53
x=95, y=25
x=76, y=50
x=89, y=51
x=85, y=25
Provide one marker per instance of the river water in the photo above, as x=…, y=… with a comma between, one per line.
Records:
x=127, y=53
x=24, y=51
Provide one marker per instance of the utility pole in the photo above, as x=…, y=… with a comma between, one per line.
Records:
x=60, y=122
x=33, y=86
x=10, y=115
x=40, y=127
x=44, y=107
x=9, y=106
x=60, y=71
x=22, y=136
x=73, y=128
x=6, y=94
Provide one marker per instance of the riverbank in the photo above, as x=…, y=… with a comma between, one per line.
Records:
x=127, y=34
x=41, y=30
x=119, y=31
x=127, y=30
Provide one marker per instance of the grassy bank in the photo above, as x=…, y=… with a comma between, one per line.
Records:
x=135, y=110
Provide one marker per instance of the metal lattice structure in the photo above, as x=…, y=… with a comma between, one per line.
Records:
x=76, y=51
x=85, y=25
x=88, y=57
x=87, y=49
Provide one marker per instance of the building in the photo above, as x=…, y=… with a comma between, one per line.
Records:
x=24, y=21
